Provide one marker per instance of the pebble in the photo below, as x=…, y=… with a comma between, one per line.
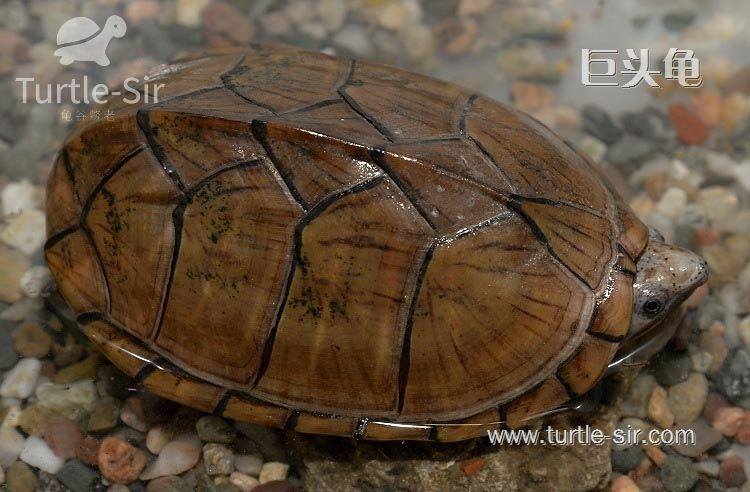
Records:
x=46, y=482
x=600, y=125
x=456, y=36
x=686, y=399
x=25, y=231
x=728, y=420
x=218, y=459
x=8, y=356
x=743, y=433
x=275, y=486
x=189, y=11
x=678, y=20
x=473, y=7
x=18, y=196
x=243, y=482
x=211, y=428
x=169, y=483
x=30, y=340
x=229, y=21
x=62, y=436
x=690, y=129
x=88, y=450
x=38, y=454
x=78, y=477
x=67, y=399
x=716, y=346
x=678, y=474
x=177, y=456
x=138, y=11
x=718, y=202
x=636, y=403
x=33, y=420
x=658, y=408
x=649, y=123
x=418, y=41
x=20, y=478
x=104, y=414
x=708, y=467
x=706, y=437
x=732, y=472
x=531, y=97
x=624, y=483
x=734, y=377
x=13, y=264
x=119, y=461
x=20, y=381
x=670, y=368
x=11, y=445
x=629, y=150
x=273, y=470
x=707, y=106
x=701, y=361
x=672, y=202
x=35, y=280
x=157, y=438
x=332, y=13
x=249, y=464
x=85, y=369
x=624, y=460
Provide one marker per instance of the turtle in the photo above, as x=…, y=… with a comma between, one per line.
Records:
x=80, y=39
x=342, y=247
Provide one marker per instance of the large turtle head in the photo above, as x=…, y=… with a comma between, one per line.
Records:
x=665, y=276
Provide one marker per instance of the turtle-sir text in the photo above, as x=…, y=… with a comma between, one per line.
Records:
x=82, y=92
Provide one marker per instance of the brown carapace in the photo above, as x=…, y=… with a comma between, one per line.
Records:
x=340, y=247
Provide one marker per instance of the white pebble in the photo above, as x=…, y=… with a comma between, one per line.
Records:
x=25, y=231
x=20, y=381
x=249, y=464
x=36, y=453
x=672, y=202
x=11, y=445
x=243, y=482
x=273, y=470
x=177, y=456
x=67, y=399
x=34, y=280
x=189, y=11
x=708, y=467
x=718, y=202
x=157, y=438
x=17, y=196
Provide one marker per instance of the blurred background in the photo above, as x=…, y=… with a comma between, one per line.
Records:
x=679, y=155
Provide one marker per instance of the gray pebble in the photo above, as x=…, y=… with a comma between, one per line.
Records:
x=599, y=124
x=8, y=356
x=77, y=476
x=678, y=20
x=670, y=368
x=626, y=459
x=650, y=124
x=678, y=474
x=211, y=428
x=734, y=376
x=630, y=150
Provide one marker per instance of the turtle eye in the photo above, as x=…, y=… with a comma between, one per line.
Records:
x=652, y=307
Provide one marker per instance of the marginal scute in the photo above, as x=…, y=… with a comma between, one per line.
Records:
x=287, y=80
x=358, y=262
x=612, y=316
x=587, y=366
x=549, y=394
x=131, y=224
x=235, y=251
x=184, y=389
x=388, y=431
x=247, y=409
x=537, y=163
x=633, y=233
x=580, y=239
x=74, y=264
x=405, y=106
x=475, y=426
x=325, y=424
x=63, y=208
x=127, y=355
x=494, y=314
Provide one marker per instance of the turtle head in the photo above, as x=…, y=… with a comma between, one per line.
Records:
x=665, y=276
x=116, y=26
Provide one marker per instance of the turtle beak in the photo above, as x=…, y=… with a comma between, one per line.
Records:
x=675, y=270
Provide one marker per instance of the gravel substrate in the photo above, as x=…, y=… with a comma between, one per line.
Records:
x=70, y=421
